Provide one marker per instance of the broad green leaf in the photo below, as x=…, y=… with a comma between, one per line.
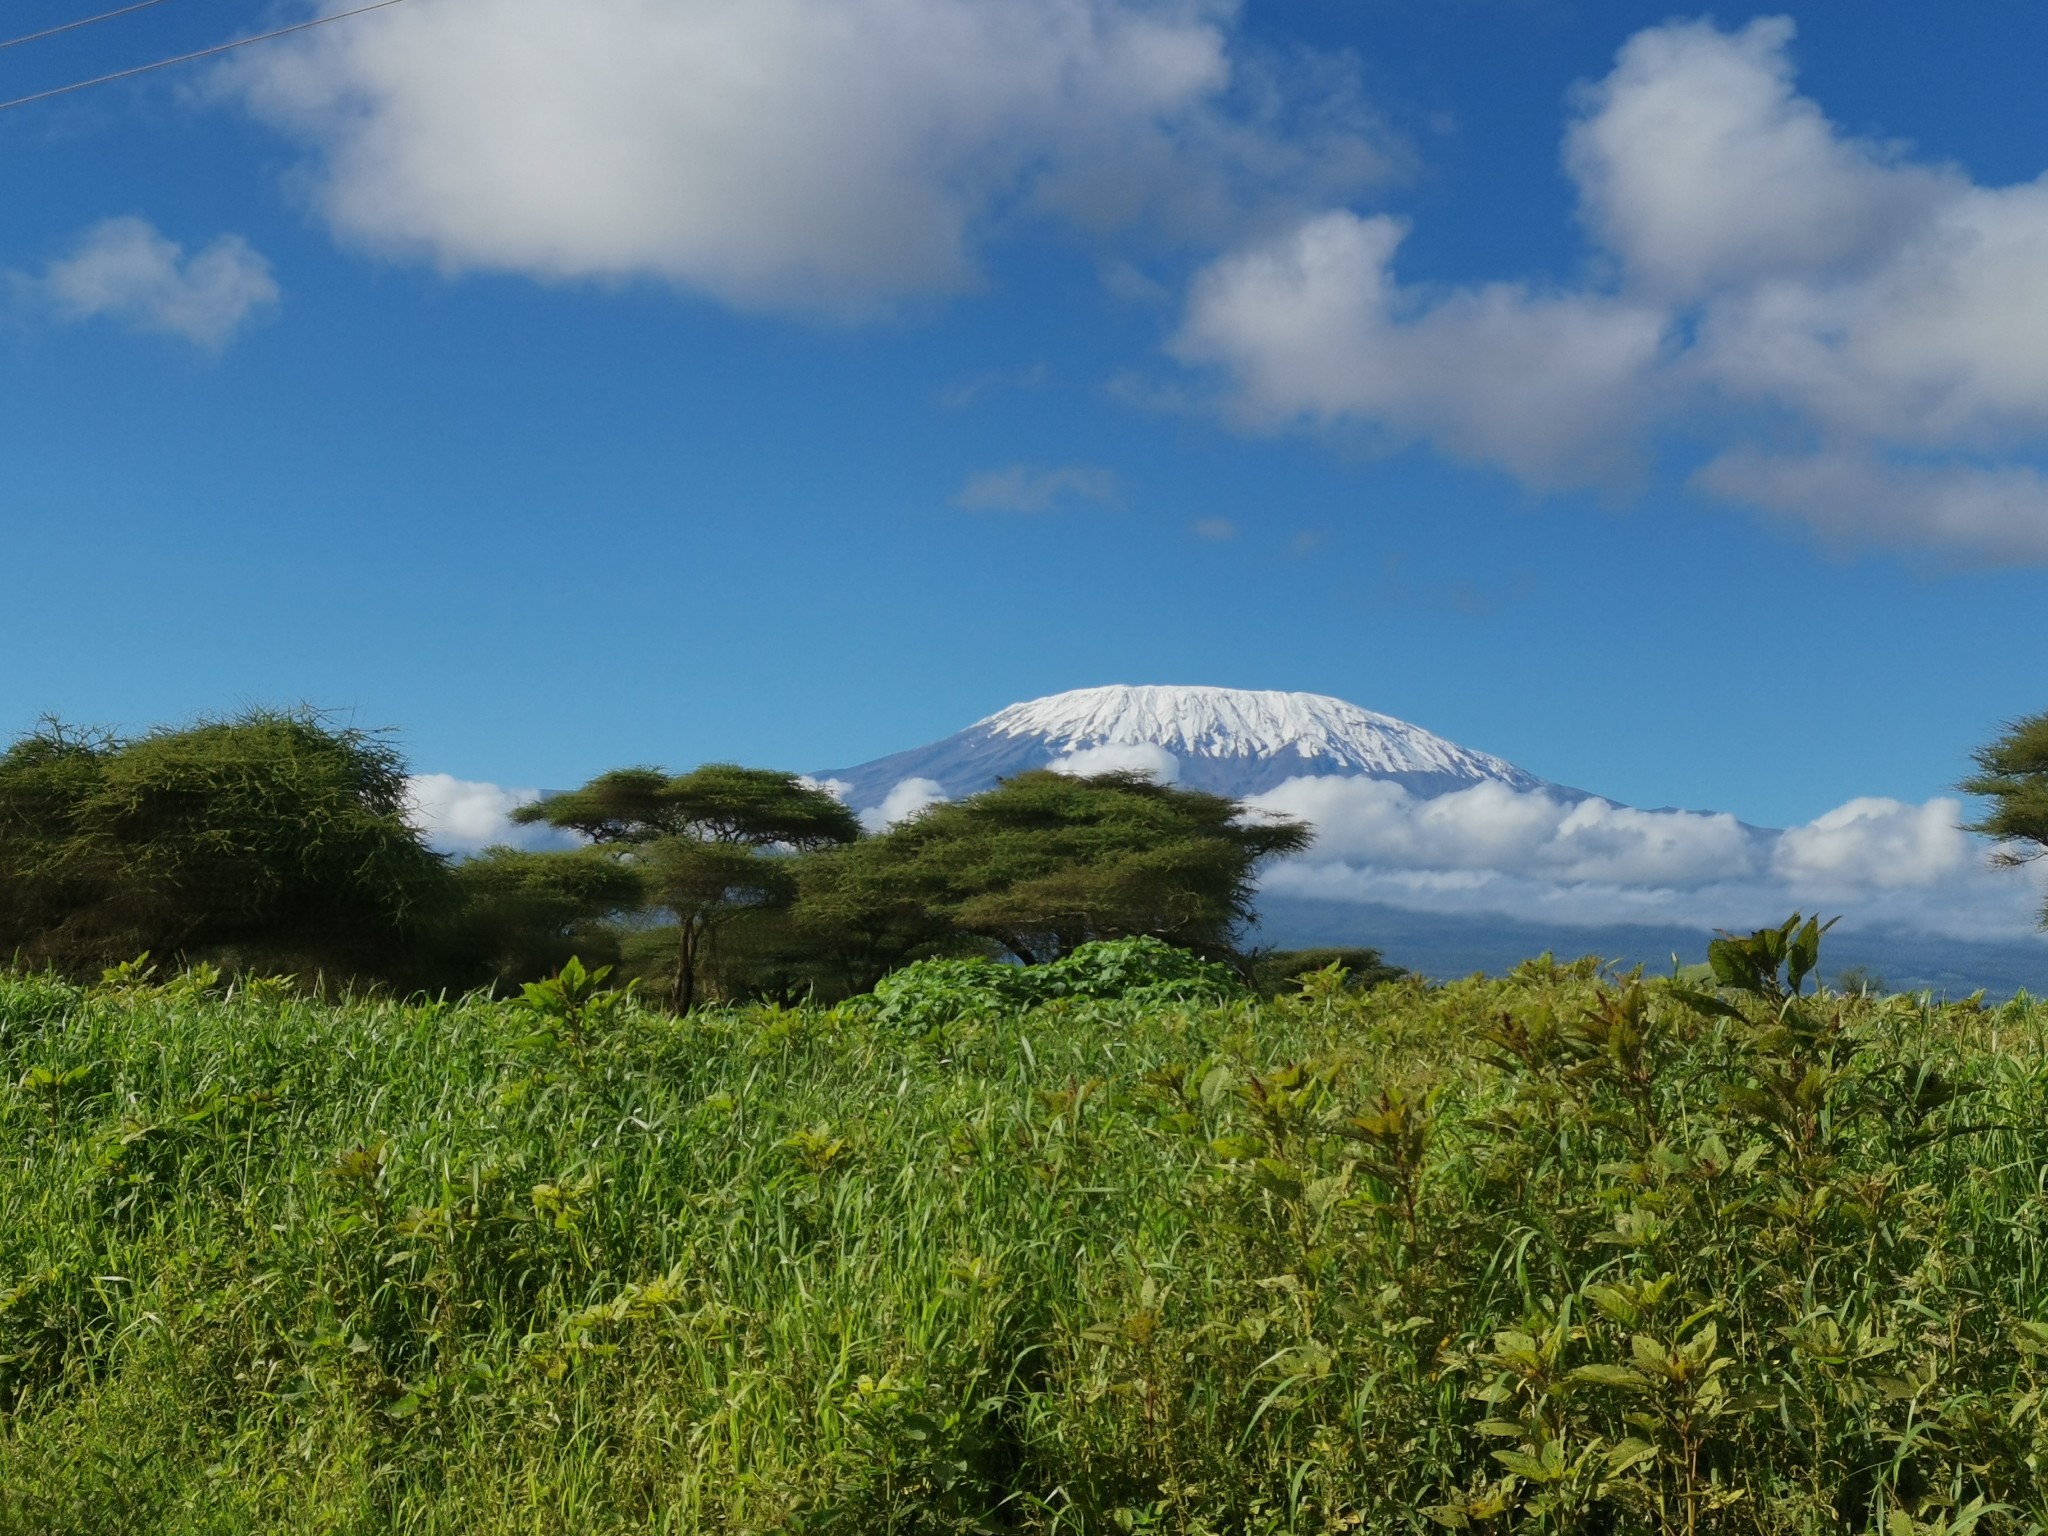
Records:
x=1281, y=1179
x=1650, y=1355
x=1615, y=1304
x=1706, y=1002
x=1618, y=1376
x=1526, y=1466
x=1629, y=1452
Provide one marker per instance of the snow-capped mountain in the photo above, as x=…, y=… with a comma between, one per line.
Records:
x=1452, y=860
x=1226, y=740
x=1448, y=882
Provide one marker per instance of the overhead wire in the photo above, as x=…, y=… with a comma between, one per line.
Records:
x=73, y=26
x=187, y=58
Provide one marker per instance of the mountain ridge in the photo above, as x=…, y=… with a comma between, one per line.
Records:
x=1228, y=741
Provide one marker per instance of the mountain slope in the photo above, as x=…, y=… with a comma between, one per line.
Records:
x=1226, y=740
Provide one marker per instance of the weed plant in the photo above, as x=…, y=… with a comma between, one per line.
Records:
x=1562, y=1251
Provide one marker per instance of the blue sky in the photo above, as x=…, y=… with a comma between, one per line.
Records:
x=448, y=373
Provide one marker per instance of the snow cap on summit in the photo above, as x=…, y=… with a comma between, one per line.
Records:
x=1244, y=723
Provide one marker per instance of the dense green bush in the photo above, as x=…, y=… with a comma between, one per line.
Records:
x=1557, y=1252
x=274, y=839
x=1138, y=971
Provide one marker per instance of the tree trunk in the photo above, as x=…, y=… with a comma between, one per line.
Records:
x=683, y=992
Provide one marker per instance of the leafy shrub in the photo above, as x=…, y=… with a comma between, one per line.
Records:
x=934, y=992
x=1138, y=971
x=1139, y=968
x=1281, y=971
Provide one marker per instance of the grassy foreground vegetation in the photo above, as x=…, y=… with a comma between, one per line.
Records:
x=1115, y=1248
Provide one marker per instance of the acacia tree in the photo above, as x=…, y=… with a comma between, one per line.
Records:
x=710, y=846
x=1047, y=861
x=2012, y=772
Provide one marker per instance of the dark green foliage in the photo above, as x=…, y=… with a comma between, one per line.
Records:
x=521, y=915
x=750, y=958
x=273, y=840
x=859, y=918
x=2012, y=772
x=1275, y=971
x=769, y=955
x=1046, y=862
x=47, y=779
x=1551, y=1253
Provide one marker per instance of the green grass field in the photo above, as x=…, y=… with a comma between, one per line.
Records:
x=1549, y=1253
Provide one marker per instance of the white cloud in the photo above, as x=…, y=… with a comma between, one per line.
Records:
x=1493, y=827
x=126, y=270
x=1312, y=324
x=904, y=801
x=815, y=155
x=1700, y=166
x=1532, y=855
x=466, y=815
x=1860, y=337
x=1877, y=843
x=1122, y=757
x=1036, y=488
x=1999, y=513
x=838, y=789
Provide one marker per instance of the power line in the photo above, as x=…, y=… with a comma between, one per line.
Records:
x=187, y=58
x=73, y=26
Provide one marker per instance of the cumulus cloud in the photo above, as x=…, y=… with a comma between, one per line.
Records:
x=1877, y=844
x=1700, y=165
x=1122, y=757
x=1313, y=325
x=128, y=271
x=1540, y=856
x=905, y=800
x=815, y=155
x=467, y=815
x=1860, y=335
x=1492, y=826
x=1037, y=488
